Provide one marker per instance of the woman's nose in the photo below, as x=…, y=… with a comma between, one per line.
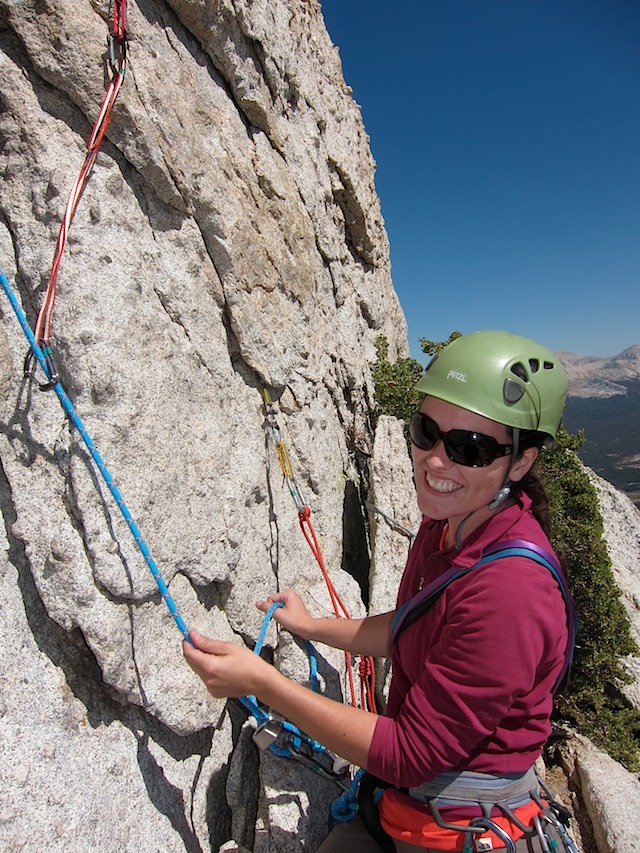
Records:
x=436, y=457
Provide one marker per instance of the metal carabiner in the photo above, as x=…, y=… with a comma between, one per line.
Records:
x=558, y=815
x=50, y=369
x=542, y=835
x=117, y=52
x=569, y=843
x=268, y=733
x=492, y=826
x=314, y=759
x=551, y=818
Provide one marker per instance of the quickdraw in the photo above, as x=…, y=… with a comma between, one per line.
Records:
x=284, y=739
x=117, y=47
x=366, y=669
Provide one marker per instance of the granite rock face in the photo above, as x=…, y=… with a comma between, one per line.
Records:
x=229, y=240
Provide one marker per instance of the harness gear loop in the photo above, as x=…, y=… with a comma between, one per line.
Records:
x=367, y=673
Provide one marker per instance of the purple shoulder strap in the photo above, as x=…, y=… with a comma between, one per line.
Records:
x=525, y=545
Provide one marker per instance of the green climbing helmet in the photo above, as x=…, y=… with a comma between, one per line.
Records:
x=504, y=377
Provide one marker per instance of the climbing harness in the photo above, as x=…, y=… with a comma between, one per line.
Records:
x=117, y=47
x=499, y=799
x=366, y=669
x=284, y=739
x=366, y=789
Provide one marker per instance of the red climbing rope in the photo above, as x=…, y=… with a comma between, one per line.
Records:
x=119, y=21
x=366, y=668
x=304, y=516
x=117, y=43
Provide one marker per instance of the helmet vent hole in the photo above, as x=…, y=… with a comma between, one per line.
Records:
x=513, y=391
x=534, y=364
x=548, y=365
x=520, y=371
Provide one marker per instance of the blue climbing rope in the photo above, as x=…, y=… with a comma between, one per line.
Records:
x=69, y=408
x=345, y=806
x=286, y=740
x=280, y=736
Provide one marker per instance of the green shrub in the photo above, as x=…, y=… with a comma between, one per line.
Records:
x=395, y=384
x=593, y=703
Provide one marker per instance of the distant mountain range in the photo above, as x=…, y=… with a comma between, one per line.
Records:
x=590, y=376
x=604, y=401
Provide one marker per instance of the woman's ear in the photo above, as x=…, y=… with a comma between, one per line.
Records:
x=523, y=464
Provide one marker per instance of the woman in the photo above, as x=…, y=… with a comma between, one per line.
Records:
x=473, y=678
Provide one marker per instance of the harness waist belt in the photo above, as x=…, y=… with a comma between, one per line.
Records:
x=468, y=786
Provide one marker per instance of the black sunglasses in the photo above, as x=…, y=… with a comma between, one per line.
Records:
x=473, y=449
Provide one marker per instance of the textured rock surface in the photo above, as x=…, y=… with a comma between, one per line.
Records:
x=622, y=534
x=230, y=238
x=610, y=795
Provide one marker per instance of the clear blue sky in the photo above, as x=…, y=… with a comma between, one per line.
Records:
x=507, y=140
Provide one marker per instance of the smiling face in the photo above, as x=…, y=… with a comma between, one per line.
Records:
x=446, y=490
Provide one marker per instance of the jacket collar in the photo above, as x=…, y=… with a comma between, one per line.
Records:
x=495, y=528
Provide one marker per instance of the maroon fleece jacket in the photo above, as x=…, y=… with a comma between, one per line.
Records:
x=473, y=677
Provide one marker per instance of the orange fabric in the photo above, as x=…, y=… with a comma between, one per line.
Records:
x=409, y=824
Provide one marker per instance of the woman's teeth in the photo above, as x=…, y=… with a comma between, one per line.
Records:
x=441, y=485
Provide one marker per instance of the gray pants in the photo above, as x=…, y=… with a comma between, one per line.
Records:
x=352, y=837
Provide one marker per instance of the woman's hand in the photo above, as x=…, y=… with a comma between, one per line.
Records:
x=367, y=636
x=227, y=670
x=293, y=616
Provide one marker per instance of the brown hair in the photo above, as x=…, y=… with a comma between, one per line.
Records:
x=531, y=483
